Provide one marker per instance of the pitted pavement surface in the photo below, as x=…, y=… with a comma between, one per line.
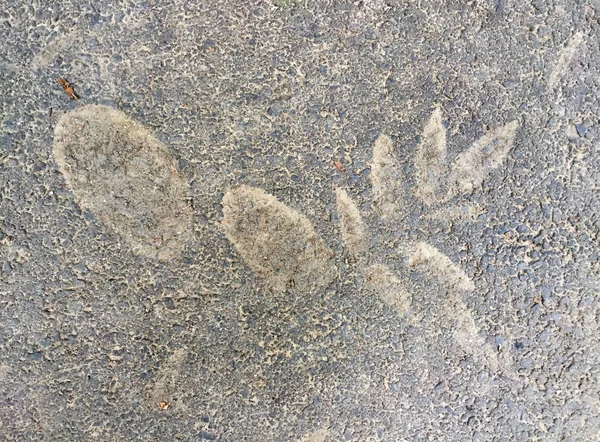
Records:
x=300, y=220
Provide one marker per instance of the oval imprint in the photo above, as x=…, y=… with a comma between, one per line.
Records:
x=279, y=243
x=118, y=170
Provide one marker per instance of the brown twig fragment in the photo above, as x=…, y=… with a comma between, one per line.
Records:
x=68, y=88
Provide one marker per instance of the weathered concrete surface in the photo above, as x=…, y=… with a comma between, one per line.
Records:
x=439, y=283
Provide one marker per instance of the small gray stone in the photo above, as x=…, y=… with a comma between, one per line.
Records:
x=581, y=130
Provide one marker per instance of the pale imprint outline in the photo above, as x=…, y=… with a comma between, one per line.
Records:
x=438, y=181
x=253, y=217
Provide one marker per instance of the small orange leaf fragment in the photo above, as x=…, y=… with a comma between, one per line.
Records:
x=68, y=88
x=339, y=166
x=164, y=405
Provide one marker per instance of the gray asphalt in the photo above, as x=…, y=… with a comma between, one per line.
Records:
x=297, y=220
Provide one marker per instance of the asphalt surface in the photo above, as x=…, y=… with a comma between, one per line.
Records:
x=298, y=220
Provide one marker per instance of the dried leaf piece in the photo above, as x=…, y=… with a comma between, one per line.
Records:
x=68, y=88
x=164, y=405
x=339, y=166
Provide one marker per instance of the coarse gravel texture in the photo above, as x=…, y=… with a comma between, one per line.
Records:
x=440, y=281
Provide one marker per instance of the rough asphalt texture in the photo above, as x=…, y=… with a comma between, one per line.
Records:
x=497, y=337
